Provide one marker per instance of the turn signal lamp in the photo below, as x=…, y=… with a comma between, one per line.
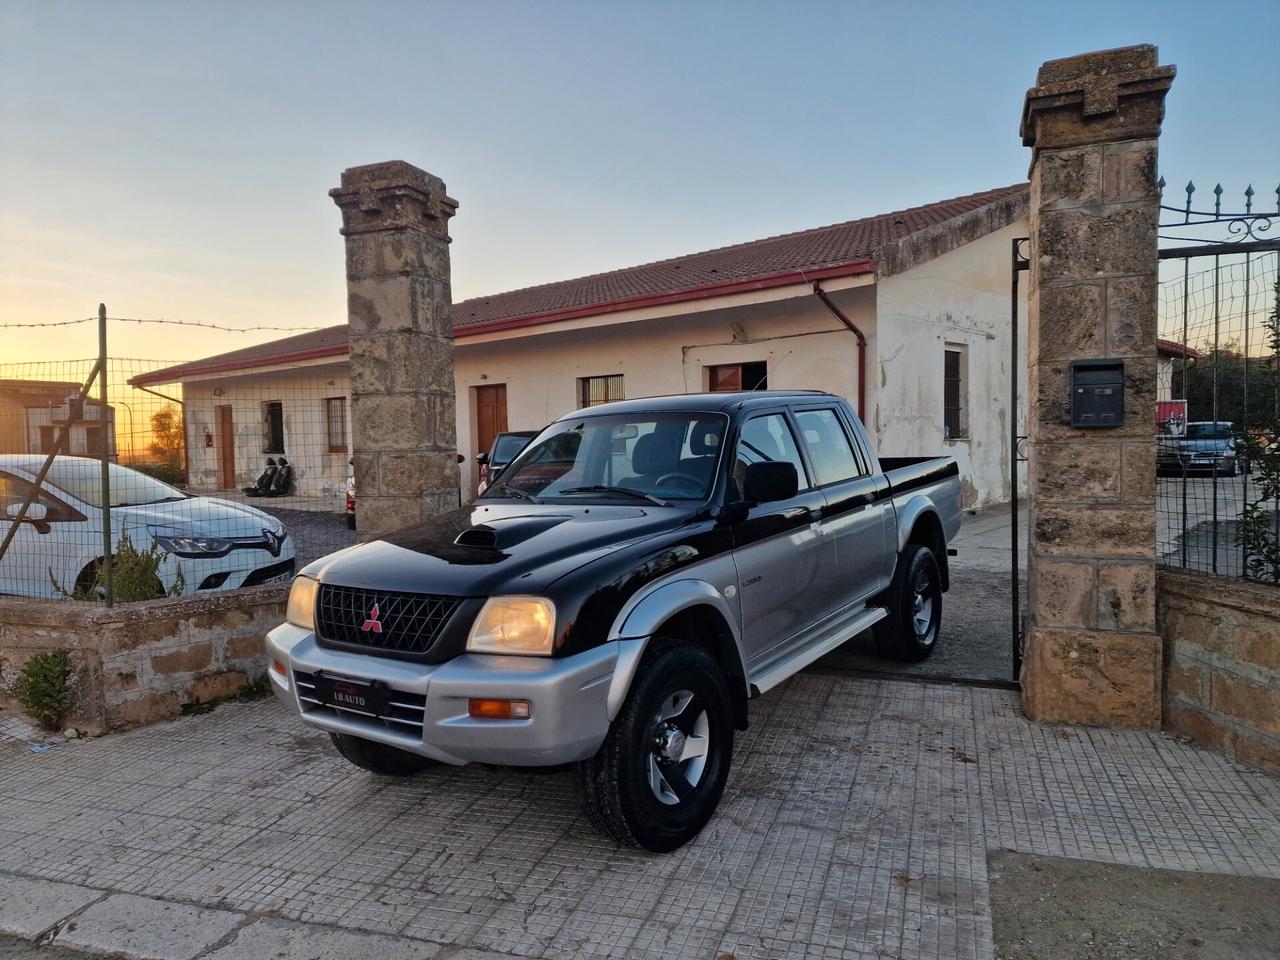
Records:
x=484, y=709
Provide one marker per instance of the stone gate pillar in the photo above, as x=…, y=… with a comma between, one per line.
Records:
x=1092, y=651
x=395, y=218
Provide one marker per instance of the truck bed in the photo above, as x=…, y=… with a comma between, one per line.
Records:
x=908, y=473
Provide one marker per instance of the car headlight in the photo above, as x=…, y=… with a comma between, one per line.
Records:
x=192, y=546
x=515, y=625
x=302, y=603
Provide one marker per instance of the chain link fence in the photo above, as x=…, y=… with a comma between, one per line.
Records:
x=214, y=472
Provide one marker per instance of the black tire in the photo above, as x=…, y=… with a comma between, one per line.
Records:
x=351, y=521
x=614, y=785
x=378, y=757
x=902, y=635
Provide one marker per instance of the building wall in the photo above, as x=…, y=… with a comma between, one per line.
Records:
x=961, y=297
x=302, y=395
x=804, y=346
x=1222, y=663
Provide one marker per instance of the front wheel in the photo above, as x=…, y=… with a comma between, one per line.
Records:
x=914, y=600
x=658, y=777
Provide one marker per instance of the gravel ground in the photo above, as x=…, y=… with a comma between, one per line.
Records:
x=1048, y=908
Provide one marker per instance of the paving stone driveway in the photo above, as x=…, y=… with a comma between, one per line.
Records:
x=856, y=824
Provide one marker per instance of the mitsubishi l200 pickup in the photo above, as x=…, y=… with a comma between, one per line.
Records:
x=636, y=577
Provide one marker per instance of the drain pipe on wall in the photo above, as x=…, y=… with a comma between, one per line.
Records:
x=862, y=346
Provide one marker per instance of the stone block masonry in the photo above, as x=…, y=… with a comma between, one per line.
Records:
x=140, y=663
x=1222, y=663
x=395, y=219
x=1092, y=653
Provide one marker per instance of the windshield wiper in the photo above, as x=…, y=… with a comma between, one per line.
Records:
x=515, y=491
x=603, y=488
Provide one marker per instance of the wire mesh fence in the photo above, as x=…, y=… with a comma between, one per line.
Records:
x=1218, y=411
x=205, y=474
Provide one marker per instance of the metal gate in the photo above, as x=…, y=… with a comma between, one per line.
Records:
x=1218, y=401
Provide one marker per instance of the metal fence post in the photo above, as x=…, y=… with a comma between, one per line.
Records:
x=107, y=435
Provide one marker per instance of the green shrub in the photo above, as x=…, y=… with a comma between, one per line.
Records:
x=134, y=576
x=166, y=472
x=43, y=687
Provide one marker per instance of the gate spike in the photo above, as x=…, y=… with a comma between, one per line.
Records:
x=1217, y=200
x=1191, y=188
x=1278, y=199
x=1248, y=198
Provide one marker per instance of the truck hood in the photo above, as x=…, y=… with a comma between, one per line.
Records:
x=493, y=548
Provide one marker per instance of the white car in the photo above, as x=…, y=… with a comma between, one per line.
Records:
x=214, y=544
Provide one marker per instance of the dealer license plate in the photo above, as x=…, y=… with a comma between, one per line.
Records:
x=348, y=693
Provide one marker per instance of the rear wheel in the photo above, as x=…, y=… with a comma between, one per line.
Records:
x=914, y=600
x=658, y=777
x=378, y=757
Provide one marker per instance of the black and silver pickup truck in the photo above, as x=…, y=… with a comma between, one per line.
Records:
x=617, y=598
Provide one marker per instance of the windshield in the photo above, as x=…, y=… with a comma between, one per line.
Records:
x=671, y=456
x=82, y=479
x=507, y=446
x=1208, y=431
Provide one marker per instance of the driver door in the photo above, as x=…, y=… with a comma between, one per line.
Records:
x=781, y=554
x=36, y=559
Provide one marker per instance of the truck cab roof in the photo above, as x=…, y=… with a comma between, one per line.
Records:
x=717, y=402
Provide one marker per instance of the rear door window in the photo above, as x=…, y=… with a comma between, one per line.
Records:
x=828, y=446
x=768, y=438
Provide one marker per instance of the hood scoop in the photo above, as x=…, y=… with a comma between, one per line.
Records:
x=506, y=533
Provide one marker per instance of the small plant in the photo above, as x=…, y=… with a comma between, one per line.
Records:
x=134, y=576
x=1258, y=531
x=43, y=687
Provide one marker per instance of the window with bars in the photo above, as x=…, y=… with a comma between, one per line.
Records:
x=955, y=389
x=335, y=417
x=732, y=377
x=606, y=389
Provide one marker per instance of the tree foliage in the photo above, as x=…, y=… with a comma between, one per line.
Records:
x=167, y=439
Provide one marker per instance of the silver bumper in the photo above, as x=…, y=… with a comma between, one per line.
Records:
x=568, y=697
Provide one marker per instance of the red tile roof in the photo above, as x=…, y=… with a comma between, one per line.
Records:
x=1174, y=349
x=841, y=249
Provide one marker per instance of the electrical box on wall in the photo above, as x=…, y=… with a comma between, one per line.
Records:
x=1097, y=393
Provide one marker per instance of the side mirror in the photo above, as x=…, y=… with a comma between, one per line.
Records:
x=770, y=481
x=35, y=513
x=482, y=458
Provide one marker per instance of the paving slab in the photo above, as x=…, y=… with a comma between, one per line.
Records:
x=272, y=939
x=29, y=907
x=856, y=823
x=144, y=928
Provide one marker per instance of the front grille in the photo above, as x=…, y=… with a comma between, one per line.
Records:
x=378, y=619
x=405, y=711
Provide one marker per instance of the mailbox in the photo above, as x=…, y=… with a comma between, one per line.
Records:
x=1097, y=393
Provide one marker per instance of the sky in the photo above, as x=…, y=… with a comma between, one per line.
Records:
x=172, y=159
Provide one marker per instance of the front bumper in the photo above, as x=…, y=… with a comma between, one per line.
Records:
x=568, y=696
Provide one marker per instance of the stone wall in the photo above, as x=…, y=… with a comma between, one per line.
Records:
x=140, y=663
x=1222, y=663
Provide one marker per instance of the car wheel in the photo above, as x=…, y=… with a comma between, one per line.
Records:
x=351, y=521
x=378, y=757
x=914, y=600
x=658, y=777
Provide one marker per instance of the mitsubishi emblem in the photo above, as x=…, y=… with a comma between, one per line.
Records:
x=372, y=624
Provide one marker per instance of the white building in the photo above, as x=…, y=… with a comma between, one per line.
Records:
x=907, y=314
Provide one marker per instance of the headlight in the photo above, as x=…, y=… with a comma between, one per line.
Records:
x=517, y=625
x=302, y=603
x=193, y=546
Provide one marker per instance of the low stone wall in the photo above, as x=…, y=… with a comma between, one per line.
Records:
x=139, y=663
x=1222, y=663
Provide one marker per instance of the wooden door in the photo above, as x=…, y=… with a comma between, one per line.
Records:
x=491, y=414
x=226, y=434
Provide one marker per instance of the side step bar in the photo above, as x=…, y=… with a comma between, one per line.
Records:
x=827, y=638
